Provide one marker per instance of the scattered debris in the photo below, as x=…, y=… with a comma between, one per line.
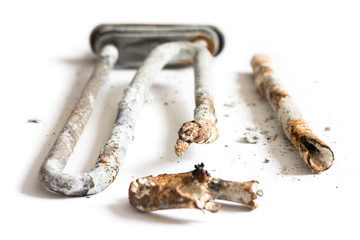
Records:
x=194, y=189
x=272, y=139
x=251, y=136
x=264, y=132
x=266, y=160
x=33, y=121
x=230, y=105
x=269, y=118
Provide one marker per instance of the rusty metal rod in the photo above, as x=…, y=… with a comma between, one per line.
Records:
x=135, y=95
x=316, y=154
x=194, y=189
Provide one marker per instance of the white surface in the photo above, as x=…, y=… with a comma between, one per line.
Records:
x=46, y=60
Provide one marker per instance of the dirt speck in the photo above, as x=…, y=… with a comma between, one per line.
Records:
x=273, y=138
x=230, y=105
x=269, y=118
x=252, y=137
x=33, y=121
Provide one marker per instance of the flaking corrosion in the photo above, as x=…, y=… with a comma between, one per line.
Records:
x=194, y=189
x=316, y=154
x=197, y=131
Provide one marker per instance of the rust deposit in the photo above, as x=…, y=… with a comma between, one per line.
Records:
x=195, y=189
x=316, y=154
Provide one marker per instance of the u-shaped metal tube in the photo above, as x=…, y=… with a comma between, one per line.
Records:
x=112, y=155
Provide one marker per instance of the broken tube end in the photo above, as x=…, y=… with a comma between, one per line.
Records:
x=181, y=147
x=260, y=60
x=316, y=154
x=197, y=131
x=240, y=192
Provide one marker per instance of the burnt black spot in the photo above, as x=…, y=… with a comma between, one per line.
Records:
x=309, y=146
x=198, y=169
x=216, y=186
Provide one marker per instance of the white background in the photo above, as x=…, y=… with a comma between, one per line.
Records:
x=46, y=61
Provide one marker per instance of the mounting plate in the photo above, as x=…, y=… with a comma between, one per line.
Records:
x=135, y=41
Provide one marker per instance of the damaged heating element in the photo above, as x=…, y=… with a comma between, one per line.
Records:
x=194, y=189
x=152, y=47
x=316, y=154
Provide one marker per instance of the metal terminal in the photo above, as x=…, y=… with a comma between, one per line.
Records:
x=112, y=155
x=316, y=154
x=194, y=189
x=135, y=41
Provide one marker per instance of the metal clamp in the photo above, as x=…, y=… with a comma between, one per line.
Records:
x=128, y=46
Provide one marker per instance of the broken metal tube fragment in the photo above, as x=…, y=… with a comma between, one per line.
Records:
x=316, y=154
x=194, y=189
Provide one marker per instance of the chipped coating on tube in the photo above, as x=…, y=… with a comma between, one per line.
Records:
x=316, y=154
x=194, y=189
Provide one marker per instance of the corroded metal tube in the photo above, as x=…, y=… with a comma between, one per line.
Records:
x=202, y=129
x=194, y=189
x=107, y=165
x=316, y=154
x=135, y=95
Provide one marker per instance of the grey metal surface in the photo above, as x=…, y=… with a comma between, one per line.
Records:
x=135, y=41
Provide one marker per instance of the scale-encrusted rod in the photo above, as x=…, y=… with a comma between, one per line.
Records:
x=135, y=95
